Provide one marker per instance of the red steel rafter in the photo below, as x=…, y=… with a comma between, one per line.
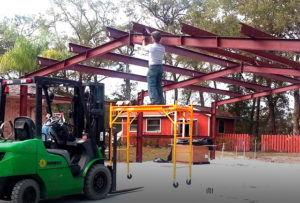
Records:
x=92, y=53
x=139, y=28
x=255, y=33
x=110, y=73
x=208, y=76
x=260, y=94
x=179, y=51
x=228, y=71
x=144, y=63
x=226, y=42
x=199, y=32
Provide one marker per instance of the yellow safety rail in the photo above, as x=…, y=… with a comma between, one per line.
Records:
x=179, y=112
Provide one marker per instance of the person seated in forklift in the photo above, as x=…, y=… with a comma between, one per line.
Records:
x=40, y=164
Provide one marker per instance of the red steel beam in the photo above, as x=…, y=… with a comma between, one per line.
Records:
x=180, y=51
x=139, y=133
x=260, y=94
x=255, y=33
x=144, y=63
x=226, y=42
x=117, y=74
x=208, y=76
x=92, y=53
x=193, y=31
x=199, y=32
x=279, y=71
x=213, y=128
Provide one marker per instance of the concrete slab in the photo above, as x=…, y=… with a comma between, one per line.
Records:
x=227, y=180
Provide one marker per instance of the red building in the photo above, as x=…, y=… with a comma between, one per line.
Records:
x=157, y=124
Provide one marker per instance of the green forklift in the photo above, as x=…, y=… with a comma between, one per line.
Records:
x=52, y=159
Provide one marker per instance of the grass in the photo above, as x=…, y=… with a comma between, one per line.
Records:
x=149, y=153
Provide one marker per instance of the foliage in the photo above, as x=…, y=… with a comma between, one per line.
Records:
x=21, y=58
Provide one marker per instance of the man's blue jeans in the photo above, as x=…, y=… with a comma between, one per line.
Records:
x=154, y=79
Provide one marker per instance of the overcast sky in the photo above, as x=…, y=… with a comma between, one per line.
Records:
x=10, y=8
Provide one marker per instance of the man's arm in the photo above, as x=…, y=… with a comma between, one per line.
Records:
x=144, y=44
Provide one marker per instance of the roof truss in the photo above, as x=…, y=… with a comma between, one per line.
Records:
x=257, y=42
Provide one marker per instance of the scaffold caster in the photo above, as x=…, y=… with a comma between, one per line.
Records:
x=175, y=184
x=188, y=181
x=129, y=176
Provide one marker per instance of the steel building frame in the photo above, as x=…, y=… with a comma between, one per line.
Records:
x=227, y=52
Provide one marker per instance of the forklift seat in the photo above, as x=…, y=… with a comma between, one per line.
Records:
x=61, y=152
x=24, y=128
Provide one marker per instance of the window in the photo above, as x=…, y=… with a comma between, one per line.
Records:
x=133, y=126
x=153, y=125
x=184, y=129
x=221, y=127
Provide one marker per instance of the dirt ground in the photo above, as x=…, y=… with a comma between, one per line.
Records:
x=150, y=153
x=271, y=178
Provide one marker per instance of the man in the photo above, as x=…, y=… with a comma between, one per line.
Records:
x=154, y=75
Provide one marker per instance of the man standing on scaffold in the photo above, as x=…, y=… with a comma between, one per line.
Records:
x=154, y=75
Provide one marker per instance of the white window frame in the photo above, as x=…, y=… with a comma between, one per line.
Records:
x=159, y=131
x=189, y=126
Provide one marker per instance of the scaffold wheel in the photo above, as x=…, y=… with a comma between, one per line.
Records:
x=129, y=176
x=175, y=184
x=188, y=181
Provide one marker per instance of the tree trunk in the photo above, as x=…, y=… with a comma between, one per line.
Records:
x=175, y=90
x=188, y=99
x=296, y=112
x=256, y=129
x=202, y=103
x=271, y=106
x=127, y=85
x=252, y=116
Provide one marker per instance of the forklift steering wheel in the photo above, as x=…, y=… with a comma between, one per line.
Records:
x=52, y=121
x=2, y=130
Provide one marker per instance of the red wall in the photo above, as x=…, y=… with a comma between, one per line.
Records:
x=166, y=128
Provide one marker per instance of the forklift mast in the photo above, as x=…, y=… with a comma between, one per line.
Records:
x=2, y=102
x=95, y=113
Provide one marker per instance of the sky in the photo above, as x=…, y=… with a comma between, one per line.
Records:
x=9, y=8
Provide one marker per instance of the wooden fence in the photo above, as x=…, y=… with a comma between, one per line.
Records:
x=233, y=142
x=280, y=143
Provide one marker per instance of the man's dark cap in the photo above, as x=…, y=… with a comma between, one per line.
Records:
x=156, y=36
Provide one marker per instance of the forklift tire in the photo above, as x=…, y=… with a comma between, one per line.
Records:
x=97, y=182
x=26, y=191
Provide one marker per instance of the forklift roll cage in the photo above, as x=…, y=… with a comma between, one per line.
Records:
x=92, y=115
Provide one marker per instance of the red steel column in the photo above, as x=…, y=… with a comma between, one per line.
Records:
x=23, y=100
x=139, y=137
x=213, y=128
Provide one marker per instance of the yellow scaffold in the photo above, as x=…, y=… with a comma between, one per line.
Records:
x=179, y=112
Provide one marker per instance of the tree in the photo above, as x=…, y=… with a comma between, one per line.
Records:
x=279, y=18
x=21, y=58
